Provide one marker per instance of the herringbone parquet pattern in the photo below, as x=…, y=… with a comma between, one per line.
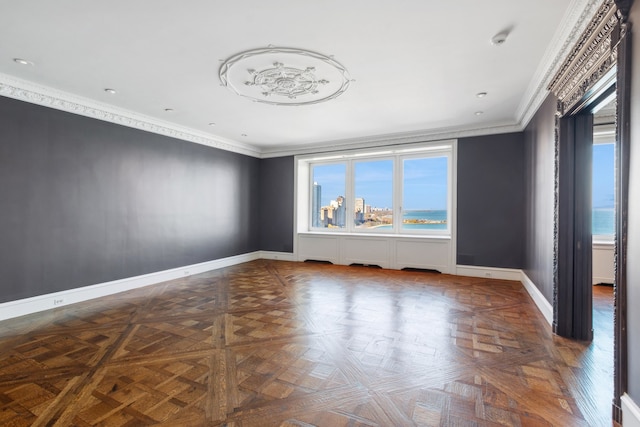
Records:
x=272, y=343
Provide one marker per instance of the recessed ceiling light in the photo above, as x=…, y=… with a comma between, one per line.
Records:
x=22, y=61
x=500, y=38
x=110, y=91
x=169, y=110
x=479, y=113
x=481, y=94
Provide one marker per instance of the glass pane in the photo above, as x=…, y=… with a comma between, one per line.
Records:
x=603, y=201
x=327, y=196
x=424, y=198
x=373, y=204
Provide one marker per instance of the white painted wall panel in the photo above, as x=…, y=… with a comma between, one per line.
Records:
x=366, y=251
x=429, y=254
x=602, y=263
x=386, y=251
x=318, y=248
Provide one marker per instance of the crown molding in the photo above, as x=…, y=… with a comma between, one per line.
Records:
x=23, y=90
x=576, y=20
x=590, y=66
x=387, y=140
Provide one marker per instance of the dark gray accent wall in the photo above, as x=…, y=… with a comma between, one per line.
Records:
x=85, y=201
x=539, y=189
x=633, y=242
x=491, y=201
x=276, y=204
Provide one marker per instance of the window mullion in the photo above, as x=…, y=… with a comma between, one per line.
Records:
x=349, y=197
x=397, y=194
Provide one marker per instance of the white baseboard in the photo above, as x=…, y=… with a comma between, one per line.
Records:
x=38, y=303
x=543, y=305
x=630, y=412
x=511, y=274
x=602, y=280
x=280, y=256
x=489, y=272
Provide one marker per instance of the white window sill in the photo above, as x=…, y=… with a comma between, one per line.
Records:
x=378, y=235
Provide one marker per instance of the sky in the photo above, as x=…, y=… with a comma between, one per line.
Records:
x=603, y=176
x=425, y=182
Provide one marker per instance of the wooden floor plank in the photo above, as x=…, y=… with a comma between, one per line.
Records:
x=272, y=343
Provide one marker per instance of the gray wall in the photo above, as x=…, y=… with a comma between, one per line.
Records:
x=539, y=189
x=491, y=201
x=633, y=255
x=276, y=204
x=85, y=201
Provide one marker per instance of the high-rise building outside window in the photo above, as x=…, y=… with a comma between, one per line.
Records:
x=396, y=191
x=328, y=209
x=373, y=181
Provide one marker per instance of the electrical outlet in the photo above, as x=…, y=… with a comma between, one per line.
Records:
x=487, y=274
x=58, y=301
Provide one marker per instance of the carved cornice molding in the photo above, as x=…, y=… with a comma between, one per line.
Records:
x=591, y=59
x=578, y=14
x=28, y=92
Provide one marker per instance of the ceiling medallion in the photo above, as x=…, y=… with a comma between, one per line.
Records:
x=284, y=76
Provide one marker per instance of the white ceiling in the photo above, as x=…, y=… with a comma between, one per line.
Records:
x=416, y=65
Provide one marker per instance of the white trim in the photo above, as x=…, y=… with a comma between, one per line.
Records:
x=38, y=303
x=630, y=411
x=597, y=280
x=541, y=302
x=280, y=256
x=543, y=305
x=394, y=153
x=489, y=272
x=576, y=18
x=23, y=90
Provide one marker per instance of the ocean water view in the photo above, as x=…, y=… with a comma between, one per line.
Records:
x=602, y=221
x=423, y=220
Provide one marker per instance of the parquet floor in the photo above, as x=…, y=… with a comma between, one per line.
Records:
x=271, y=343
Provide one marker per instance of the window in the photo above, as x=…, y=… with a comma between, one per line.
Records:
x=603, y=201
x=406, y=190
x=373, y=204
x=327, y=196
x=425, y=190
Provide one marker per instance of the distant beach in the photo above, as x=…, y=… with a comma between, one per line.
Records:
x=422, y=220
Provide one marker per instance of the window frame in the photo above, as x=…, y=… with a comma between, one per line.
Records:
x=304, y=187
x=449, y=202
